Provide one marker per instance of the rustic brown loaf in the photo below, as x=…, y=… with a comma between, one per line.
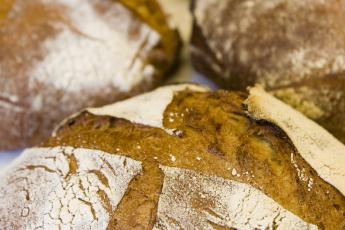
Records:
x=296, y=49
x=57, y=57
x=180, y=157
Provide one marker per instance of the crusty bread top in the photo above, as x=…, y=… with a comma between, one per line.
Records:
x=318, y=147
x=76, y=188
x=64, y=188
x=148, y=108
x=281, y=44
x=53, y=51
x=219, y=169
x=274, y=42
x=225, y=203
x=82, y=45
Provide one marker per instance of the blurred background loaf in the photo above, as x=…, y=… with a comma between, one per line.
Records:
x=57, y=57
x=296, y=49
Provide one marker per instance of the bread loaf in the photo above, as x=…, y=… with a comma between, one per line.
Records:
x=296, y=49
x=180, y=157
x=57, y=57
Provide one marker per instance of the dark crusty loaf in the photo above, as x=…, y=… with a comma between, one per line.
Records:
x=296, y=49
x=57, y=57
x=180, y=157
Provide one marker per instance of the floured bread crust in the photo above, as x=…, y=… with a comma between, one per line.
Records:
x=148, y=108
x=51, y=52
x=222, y=203
x=280, y=44
x=63, y=188
x=212, y=136
x=320, y=149
x=219, y=169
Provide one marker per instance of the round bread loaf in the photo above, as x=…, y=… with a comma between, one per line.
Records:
x=180, y=157
x=296, y=49
x=59, y=56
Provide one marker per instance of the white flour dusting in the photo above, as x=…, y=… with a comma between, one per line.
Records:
x=148, y=108
x=63, y=188
x=318, y=148
x=97, y=52
x=190, y=200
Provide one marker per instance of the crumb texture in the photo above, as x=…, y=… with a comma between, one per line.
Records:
x=63, y=188
x=190, y=200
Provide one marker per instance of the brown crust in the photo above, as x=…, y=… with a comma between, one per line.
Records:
x=214, y=126
x=327, y=95
x=151, y=12
x=23, y=126
x=205, y=62
x=277, y=45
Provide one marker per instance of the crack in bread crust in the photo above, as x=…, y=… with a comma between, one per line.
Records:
x=278, y=44
x=213, y=136
x=59, y=187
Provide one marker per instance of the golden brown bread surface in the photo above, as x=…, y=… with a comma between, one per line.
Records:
x=282, y=45
x=213, y=136
x=5, y=6
x=151, y=12
x=52, y=52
